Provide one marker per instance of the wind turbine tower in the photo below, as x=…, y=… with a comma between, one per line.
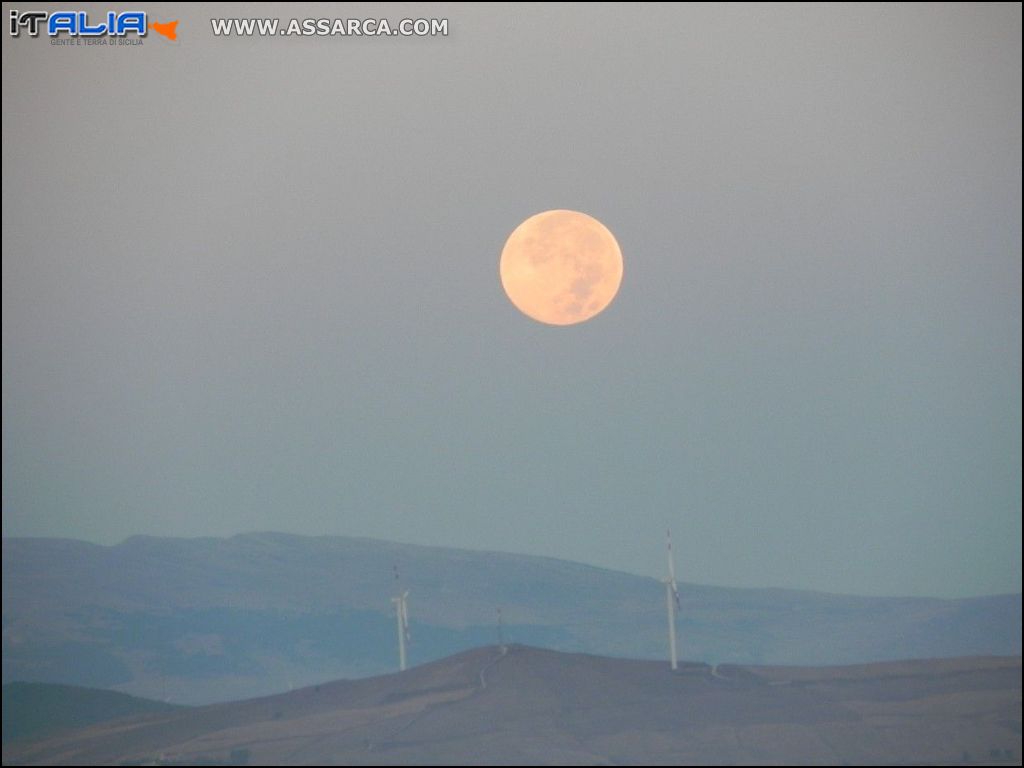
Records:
x=402, y=617
x=501, y=635
x=671, y=603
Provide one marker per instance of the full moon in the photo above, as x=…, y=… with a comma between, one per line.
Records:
x=561, y=267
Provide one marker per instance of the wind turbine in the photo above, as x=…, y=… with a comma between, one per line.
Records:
x=402, y=617
x=501, y=635
x=671, y=603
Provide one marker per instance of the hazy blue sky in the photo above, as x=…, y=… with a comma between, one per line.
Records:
x=252, y=284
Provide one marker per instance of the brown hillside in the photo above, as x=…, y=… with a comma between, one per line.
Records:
x=543, y=707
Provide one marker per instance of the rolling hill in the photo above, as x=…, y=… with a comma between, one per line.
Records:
x=203, y=620
x=33, y=710
x=532, y=706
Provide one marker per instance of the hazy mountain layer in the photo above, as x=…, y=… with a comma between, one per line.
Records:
x=200, y=620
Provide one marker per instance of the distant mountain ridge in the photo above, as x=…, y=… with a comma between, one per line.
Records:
x=210, y=619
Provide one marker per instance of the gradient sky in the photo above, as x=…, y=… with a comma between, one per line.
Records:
x=252, y=284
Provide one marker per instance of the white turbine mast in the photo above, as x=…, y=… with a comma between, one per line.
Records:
x=402, y=617
x=671, y=603
x=502, y=648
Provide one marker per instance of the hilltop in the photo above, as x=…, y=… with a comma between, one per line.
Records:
x=536, y=706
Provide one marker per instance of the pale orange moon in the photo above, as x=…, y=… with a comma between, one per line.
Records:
x=561, y=267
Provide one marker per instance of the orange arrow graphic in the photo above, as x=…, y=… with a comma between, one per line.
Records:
x=168, y=29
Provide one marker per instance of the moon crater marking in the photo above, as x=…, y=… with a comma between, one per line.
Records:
x=561, y=267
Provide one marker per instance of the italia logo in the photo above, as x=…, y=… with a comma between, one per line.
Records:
x=80, y=24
